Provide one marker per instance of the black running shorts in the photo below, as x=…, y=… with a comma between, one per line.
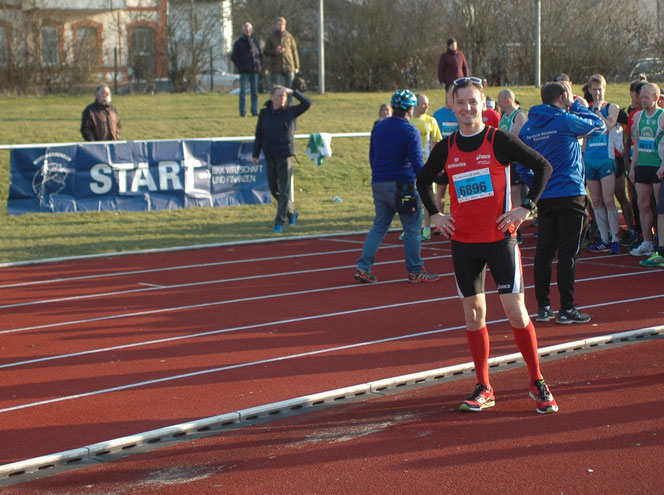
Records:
x=503, y=259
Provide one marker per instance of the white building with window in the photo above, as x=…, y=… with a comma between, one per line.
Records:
x=130, y=35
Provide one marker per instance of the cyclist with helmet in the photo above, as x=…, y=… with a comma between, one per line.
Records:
x=396, y=158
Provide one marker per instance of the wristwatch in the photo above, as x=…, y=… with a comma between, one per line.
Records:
x=529, y=204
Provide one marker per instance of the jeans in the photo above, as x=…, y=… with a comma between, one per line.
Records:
x=562, y=224
x=252, y=80
x=384, y=194
x=279, y=177
x=284, y=79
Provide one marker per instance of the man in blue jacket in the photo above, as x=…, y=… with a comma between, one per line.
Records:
x=553, y=129
x=395, y=154
x=247, y=57
x=275, y=133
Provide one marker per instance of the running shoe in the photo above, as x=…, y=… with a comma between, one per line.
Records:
x=599, y=247
x=644, y=249
x=544, y=313
x=540, y=393
x=567, y=316
x=615, y=248
x=426, y=234
x=293, y=218
x=481, y=399
x=628, y=238
x=655, y=260
x=365, y=277
x=417, y=278
x=278, y=228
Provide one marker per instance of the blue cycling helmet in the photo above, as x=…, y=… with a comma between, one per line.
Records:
x=404, y=99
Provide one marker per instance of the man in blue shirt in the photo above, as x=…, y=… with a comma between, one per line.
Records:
x=396, y=158
x=553, y=129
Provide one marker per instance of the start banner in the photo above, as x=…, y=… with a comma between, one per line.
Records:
x=135, y=176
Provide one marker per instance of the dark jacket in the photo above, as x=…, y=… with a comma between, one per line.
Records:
x=288, y=60
x=275, y=129
x=451, y=66
x=247, y=55
x=100, y=123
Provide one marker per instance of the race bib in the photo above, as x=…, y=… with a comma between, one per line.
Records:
x=646, y=144
x=473, y=185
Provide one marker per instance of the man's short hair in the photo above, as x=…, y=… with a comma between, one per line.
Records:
x=468, y=81
x=562, y=77
x=598, y=79
x=283, y=19
x=551, y=92
x=450, y=41
x=100, y=87
x=275, y=88
x=654, y=87
x=636, y=86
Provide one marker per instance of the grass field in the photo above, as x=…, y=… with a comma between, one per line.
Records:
x=53, y=119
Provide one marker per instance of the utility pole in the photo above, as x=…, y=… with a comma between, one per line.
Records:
x=321, y=47
x=538, y=43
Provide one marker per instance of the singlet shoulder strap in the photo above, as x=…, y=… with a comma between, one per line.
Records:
x=450, y=140
x=490, y=133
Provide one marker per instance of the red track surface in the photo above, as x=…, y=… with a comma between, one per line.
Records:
x=94, y=350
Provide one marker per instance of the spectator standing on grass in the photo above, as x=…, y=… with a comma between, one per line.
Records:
x=248, y=59
x=395, y=155
x=275, y=133
x=452, y=64
x=512, y=121
x=482, y=226
x=100, y=120
x=281, y=51
x=647, y=162
x=600, y=168
x=430, y=134
x=384, y=112
x=554, y=129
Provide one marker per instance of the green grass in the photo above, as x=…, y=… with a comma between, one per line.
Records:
x=53, y=119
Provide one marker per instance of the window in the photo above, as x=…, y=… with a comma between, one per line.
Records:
x=142, y=52
x=4, y=47
x=86, y=45
x=50, y=46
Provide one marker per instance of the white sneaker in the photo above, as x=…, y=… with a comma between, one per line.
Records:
x=644, y=249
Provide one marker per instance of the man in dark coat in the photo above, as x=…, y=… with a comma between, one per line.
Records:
x=100, y=120
x=275, y=133
x=452, y=65
x=248, y=59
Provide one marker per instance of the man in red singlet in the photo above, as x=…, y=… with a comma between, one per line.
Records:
x=482, y=227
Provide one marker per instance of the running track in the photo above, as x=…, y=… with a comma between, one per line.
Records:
x=99, y=349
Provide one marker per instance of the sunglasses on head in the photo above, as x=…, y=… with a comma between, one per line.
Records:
x=468, y=80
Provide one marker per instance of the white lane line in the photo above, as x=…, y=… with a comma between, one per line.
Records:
x=228, y=330
x=256, y=298
x=274, y=323
x=177, y=267
x=260, y=362
x=194, y=284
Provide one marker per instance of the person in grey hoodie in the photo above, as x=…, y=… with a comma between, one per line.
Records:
x=553, y=129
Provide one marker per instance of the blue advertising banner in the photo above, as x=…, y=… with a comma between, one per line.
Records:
x=135, y=176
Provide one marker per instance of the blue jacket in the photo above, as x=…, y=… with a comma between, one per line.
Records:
x=555, y=133
x=395, y=152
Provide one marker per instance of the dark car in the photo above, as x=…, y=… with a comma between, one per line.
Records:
x=653, y=68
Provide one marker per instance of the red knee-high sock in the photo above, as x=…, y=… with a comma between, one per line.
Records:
x=526, y=342
x=479, y=349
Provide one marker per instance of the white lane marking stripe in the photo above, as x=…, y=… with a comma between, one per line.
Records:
x=256, y=298
x=194, y=284
x=267, y=361
x=271, y=323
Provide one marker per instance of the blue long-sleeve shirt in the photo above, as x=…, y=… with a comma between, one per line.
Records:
x=555, y=133
x=395, y=152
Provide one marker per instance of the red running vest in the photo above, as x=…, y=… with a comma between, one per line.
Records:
x=479, y=191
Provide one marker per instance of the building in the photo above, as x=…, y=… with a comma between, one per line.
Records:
x=127, y=39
